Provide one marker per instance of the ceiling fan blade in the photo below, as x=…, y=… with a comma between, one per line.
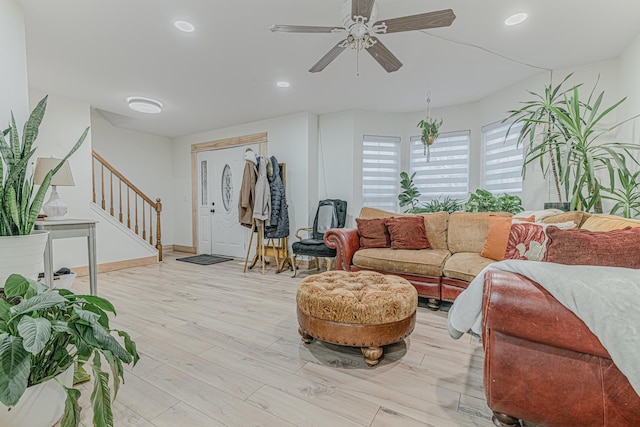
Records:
x=330, y=56
x=384, y=56
x=362, y=8
x=423, y=21
x=304, y=29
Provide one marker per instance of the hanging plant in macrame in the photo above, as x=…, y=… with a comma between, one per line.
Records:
x=430, y=129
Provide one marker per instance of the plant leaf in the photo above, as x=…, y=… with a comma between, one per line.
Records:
x=38, y=302
x=16, y=285
x=108, y=342
x=97, y=301
x=100, y=398
x=15, y=364
x=35, y=333
x=130, y=346
x=72, y=409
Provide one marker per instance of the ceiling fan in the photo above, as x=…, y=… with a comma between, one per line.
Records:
x=359, y=21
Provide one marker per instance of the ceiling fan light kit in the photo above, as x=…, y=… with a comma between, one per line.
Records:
x=359, y=22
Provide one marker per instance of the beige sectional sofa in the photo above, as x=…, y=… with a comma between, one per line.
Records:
x=440, y=273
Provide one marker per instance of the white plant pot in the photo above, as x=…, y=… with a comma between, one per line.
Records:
x=22, y=255
x=40, y=406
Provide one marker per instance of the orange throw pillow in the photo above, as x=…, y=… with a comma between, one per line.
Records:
x=495, y=246
x=373, y=233
x=408, y=232
x=531, y=218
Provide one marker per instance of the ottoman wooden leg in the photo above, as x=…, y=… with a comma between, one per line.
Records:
x=371, y=355
x=306, y=338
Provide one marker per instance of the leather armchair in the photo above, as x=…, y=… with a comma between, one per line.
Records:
x=543, y=365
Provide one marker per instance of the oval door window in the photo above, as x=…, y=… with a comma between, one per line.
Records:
x=227, y=188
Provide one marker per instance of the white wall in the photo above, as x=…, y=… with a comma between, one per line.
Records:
x=630, y=84
x=290, y=140
x=63, y=123
x=13, y=69
x=144, y=159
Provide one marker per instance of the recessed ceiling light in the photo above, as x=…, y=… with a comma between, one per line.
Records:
x=185, y=26
x=516, y=19
x=144, y=105
x=283, y=84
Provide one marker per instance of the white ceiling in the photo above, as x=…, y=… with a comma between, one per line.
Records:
x=224, y=73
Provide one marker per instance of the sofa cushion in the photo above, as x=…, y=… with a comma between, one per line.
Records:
x=435, y=224
x=373, y=233
x=578, y=217
x=465, y=265
x=615, y=248
x=608, y=223
x=468, y=230
x=407, y=232
x=425, y=262
x=495, y=245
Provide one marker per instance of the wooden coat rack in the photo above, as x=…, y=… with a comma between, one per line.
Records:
x=279, y=251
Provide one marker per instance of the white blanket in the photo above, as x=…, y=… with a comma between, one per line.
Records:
x=606, y=299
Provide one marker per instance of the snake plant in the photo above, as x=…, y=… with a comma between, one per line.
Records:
x=19, y=207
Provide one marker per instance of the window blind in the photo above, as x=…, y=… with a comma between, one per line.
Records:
x=447, y=172
x=380, y=171
x=503, y=159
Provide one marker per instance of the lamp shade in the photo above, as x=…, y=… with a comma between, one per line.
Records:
x=45, y=164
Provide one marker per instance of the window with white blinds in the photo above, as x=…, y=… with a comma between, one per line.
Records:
x=447, y=171
x=503, y=159
x=380, y=171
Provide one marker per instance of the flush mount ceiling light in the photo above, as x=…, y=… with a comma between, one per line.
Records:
x=516, y=19
x=185, y=26
x=283, y=84
x=144, y=105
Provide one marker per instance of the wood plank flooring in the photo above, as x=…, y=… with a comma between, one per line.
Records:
x=221, y=348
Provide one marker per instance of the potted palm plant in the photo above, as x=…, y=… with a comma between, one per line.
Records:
x=20, y=249
x=540, y=127
x=574, y=143
x=44, y=333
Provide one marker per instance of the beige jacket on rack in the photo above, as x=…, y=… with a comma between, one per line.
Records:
x=247, y=194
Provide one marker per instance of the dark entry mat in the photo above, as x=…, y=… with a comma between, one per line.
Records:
x=205, y=259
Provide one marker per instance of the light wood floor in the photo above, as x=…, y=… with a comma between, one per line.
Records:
x=221, y=348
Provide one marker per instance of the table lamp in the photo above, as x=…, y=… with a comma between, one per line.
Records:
x=55, y=208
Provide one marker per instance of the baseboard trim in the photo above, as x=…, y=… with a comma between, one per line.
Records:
x=117, y=265
x=185, y=249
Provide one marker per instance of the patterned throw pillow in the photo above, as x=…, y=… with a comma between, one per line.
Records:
x=528, y=241
x=373, y=233
x=408, y=232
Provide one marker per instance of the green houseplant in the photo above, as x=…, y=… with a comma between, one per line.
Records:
x=410, y=196
x=572, y=139
x=627, y=195
x=540, y=129
x=430, y=132
x=45, y=332
x=20, y=203
x=485, y=201
x=19, y=207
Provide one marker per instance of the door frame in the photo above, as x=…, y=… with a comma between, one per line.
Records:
x=256, y=138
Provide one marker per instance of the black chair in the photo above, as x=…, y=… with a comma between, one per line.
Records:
x=331, y=213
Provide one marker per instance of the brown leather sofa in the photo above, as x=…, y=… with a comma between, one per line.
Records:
x=543, y=365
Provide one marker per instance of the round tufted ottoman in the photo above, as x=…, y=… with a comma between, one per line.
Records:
x=363, y=309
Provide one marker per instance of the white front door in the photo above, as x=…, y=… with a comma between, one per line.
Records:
x=220, y=178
